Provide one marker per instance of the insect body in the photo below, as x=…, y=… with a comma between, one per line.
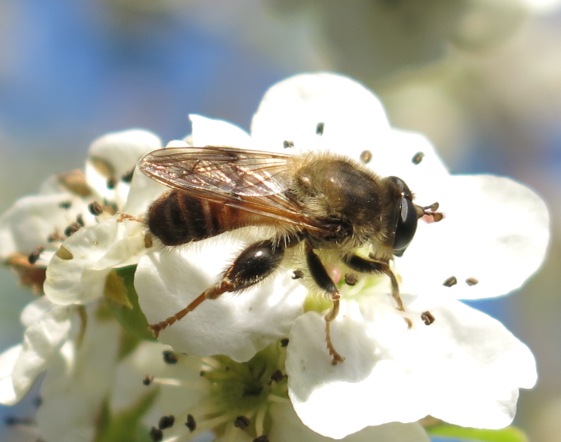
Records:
x=325, y=201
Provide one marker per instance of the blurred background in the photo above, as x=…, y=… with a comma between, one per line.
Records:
x=481, y=78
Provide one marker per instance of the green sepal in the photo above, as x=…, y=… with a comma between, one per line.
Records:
x=125, y=425
x=122, y=300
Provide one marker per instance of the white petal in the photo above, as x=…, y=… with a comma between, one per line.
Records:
x=465, y=368
x=394, y=156
x=70, y=409
x=495, y=230
x=31, y=220
x=351, y=116
x=236, y=324
x=94, y=252
x=210, y=132
x=8, y=360
x=113, y=156
x=287, y=426
x=41, y=341
x=143, y=191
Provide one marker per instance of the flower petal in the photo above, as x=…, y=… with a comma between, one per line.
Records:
x=41, y=341
x=211, y=132
x=76, y=274
x=494, y=234
x=77, y=382
x=112, y=157
x=466, y=368
x=324, y=110
x=8, y=361
x=287, y=426
x=31, y=220
x=236, y=325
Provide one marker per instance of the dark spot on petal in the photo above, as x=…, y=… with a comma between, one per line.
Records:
x=319, y=128
x=286, y=144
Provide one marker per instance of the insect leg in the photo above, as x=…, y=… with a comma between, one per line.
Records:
x=324, y=281
x=253, y=265
x=364, y=265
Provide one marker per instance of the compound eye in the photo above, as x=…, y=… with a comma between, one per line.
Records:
x=405, y=227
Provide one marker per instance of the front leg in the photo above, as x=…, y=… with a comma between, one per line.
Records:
x=254, y=264
x=324, y=281
x=364, y=265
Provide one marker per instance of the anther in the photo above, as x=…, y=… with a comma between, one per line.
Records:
x=450, y=281
x=427, y=317
x=65, y=204
x=191, y=423
x=319, y=128
x=286, y=144
x=297, y=274
x=351, y=279
x=156, y=435
x=148, y=379
x=166, y=422
x=418, y=157
x=34, y=256
x=366, y=156
x=169, y=357
x=95, y=208
x=241, y=422
x=472, y=281
x=284, y=342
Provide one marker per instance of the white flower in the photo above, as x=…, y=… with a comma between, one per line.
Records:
x=78, y=271
x=192, y=397
x=465, y=368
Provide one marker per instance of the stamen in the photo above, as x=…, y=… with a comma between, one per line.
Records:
x=156, y=435
x=191, y=423
x=65, y=204
x=166, y=422
x=297, y=274
x=242, y=422
x=417, y=158
x=95, y=208
x=169, y=357
x=366, y=156
x=148, y=379
x=427, y=317
x=450, y=281
x=34, y=256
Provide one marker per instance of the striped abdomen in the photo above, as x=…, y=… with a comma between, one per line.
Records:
x=177, y=218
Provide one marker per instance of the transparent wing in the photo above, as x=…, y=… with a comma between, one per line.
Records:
x=250, y=180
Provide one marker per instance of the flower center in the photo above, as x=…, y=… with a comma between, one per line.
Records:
x=239, y=395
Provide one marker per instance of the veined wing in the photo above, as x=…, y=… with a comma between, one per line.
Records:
x=250, y=180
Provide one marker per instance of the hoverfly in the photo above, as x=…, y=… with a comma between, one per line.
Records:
x=324, y=201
